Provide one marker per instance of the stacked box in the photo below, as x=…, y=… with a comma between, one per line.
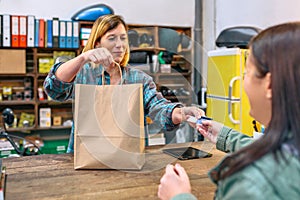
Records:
x=45, y=117
x=12, y=61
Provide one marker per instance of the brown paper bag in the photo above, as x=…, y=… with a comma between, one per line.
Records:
x=109, y=127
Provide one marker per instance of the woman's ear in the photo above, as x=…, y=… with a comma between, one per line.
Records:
x=97, y=44
x=268, y=85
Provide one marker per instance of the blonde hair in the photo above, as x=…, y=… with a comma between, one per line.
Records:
x=100, y=27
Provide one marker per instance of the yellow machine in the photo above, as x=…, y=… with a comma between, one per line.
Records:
x=226, y=100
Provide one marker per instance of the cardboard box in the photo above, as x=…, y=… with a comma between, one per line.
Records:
x=12, y=61
x=45, y=122
x=45, y=117
x=57, y=121
x=45, y=112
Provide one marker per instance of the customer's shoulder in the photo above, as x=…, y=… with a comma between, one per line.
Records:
x=270, y=172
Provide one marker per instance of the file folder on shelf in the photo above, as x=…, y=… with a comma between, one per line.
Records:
x=62, y=34
x=30, y=30
x=49, y=34
x=75, y=38
x=15, y=31
x=69, y=34
x=45, y=33
x=41, y=33
x=23, y=31
x=55, y=32
x=36, y=32
x=6, y=30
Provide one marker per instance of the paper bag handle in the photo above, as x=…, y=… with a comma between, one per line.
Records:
x=103, y=81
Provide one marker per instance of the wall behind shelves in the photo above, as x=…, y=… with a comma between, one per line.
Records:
x=217, y=14
x=162, y=12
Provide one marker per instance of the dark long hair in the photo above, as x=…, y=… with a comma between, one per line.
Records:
x=275, y=50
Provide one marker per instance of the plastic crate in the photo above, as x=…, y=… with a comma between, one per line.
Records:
x=55, y=146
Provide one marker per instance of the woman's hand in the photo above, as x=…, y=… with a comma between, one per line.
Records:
x=99, y=56
x=192, y=111
x=174, y=181
x=68, y=70
x=210, y=129
x=180, y=115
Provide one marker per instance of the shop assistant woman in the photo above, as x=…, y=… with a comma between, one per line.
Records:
x=108, y=43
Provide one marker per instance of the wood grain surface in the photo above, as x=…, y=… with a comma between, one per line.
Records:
x=53, y=177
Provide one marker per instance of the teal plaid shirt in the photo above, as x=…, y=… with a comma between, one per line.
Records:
x=156, y=106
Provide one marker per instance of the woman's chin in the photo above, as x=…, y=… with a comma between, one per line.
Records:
x=118, y=59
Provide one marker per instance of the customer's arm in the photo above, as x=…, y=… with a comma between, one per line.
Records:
x=229, y=140
x=225, y=138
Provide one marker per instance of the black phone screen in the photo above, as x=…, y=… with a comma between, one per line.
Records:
x=186, y=153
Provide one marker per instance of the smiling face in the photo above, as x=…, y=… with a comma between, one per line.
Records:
x=116, y=42
x=258, y=90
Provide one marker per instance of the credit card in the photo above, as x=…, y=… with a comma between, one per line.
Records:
x=199, y=121
x=194, y=120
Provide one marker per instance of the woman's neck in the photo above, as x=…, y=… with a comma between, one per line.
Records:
x=113, y=71
x=114, y=75
x=115, y=80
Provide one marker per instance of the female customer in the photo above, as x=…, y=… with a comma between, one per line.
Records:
x=268, y=168
x=108, y=47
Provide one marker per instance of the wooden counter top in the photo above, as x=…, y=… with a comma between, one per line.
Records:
x=53, y=177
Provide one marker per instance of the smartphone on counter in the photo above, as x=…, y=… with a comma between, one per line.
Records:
x=186, y=153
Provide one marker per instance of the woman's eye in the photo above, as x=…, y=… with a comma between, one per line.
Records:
x=244, y=74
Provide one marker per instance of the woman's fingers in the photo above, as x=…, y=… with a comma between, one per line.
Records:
x=100, y=56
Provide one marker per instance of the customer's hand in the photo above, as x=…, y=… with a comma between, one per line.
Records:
x=174, y=181
x=210, y=129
